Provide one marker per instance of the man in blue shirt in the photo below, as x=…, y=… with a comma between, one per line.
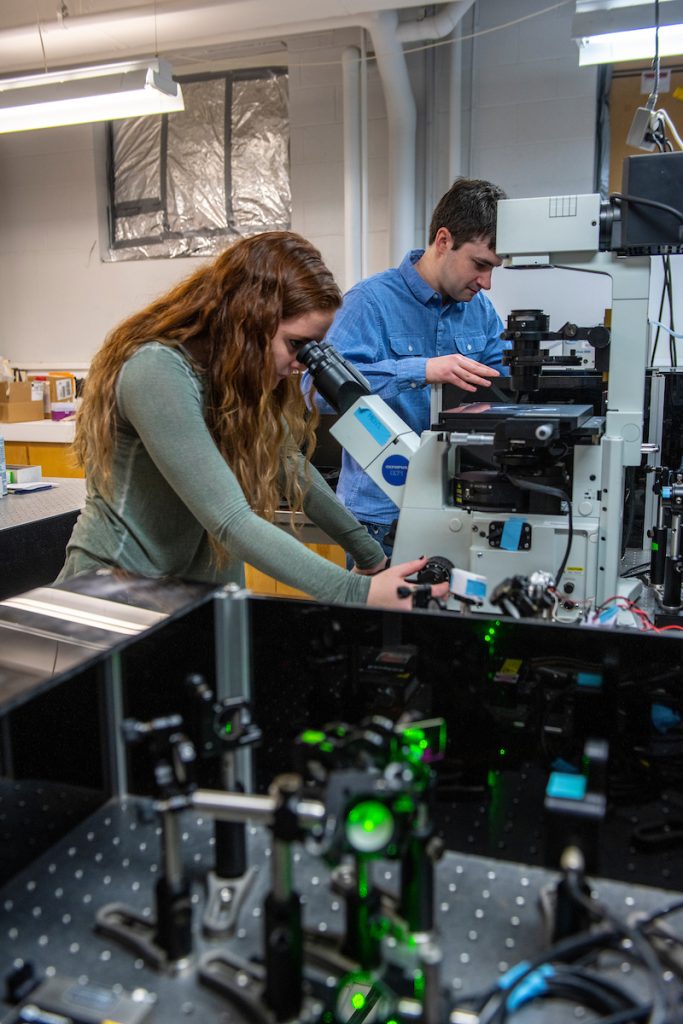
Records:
x=425, y=322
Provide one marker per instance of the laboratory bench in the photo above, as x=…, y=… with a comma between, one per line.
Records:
x=301, y=665
x=34, y=529
x=47, y=443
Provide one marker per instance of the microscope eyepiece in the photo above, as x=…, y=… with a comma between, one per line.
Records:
x=336, y=380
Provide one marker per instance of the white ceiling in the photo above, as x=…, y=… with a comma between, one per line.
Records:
x=53, y=33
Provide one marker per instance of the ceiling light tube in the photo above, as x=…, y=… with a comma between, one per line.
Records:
x=637, y=44
x=83, y=95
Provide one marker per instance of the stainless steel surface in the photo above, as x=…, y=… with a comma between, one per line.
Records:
x=47, y=632
x=83, y=609
x=51, y=631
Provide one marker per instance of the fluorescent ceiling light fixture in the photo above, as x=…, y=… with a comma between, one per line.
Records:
x=608, y=31
x=82, y=95
x=638, y=44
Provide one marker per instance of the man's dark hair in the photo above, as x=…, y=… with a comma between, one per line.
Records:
x=468, y=210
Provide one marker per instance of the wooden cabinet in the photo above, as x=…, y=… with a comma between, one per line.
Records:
x=259, y=583
x=16, y=453
x=55, y=459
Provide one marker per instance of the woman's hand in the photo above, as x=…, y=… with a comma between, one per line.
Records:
x=384, y=587
x=373, y=570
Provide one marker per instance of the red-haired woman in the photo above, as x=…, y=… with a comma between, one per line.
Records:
x=192, y=430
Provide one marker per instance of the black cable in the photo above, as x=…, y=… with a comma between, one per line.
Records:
x=363, y=1012
x=624, y=197
x=566, y=949
x=655, y=62
x=639, y=945
x=576, y=981
x=673, y=908
x=588, y=989
x=661, y=310
x=627, y=1016
x=629, y=515
x=672, y=339
x=555, y=492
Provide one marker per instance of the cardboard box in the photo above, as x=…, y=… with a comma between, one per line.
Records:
x=62, y=386
x=15, y=391
x=15, y=403
x=40, y=390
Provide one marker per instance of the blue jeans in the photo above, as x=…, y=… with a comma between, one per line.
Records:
x=378, y=531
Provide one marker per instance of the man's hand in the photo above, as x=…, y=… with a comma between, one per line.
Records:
x=465, y=373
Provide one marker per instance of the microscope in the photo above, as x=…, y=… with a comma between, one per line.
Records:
x=509, y=489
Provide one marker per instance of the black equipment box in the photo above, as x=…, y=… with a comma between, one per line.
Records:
x=646, y=229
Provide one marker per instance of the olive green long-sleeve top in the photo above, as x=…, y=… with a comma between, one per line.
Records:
x=171, y=488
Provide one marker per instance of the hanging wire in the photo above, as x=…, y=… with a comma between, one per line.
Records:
x=156, y=36
x=40, y=36
x=655, y=62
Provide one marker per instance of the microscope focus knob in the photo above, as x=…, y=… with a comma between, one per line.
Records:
x=544, y=431
x=436, y=570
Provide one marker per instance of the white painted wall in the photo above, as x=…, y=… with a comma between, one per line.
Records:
x=527, y=116
x=532, y=113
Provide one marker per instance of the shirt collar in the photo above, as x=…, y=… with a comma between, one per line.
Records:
x=423, y=292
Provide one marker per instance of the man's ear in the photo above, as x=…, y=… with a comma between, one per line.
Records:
x=443, y=240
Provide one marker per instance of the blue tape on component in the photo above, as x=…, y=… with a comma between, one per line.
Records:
x=476, y=589
x=512, y=534
x=590, y=679
x=373, y=425
x=533, y=985
x=664, y=718
x=511, y=975
x=560, y=765
x=566, y=787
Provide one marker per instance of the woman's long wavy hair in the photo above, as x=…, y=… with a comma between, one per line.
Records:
x=234, y=305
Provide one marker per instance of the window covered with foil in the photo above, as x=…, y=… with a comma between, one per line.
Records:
x=186, y=184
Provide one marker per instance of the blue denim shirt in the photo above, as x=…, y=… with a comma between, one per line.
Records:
x=389, y=326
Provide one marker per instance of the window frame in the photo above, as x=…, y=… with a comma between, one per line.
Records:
x=128, y=208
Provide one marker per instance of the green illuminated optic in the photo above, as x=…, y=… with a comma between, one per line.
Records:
x=369, y=826
x=312, y=736
x=358, y=1001
x=227, y=728
x=487, y=639
x=403, y=804
x=419, y=984
x=326, y=747
x=502, y=751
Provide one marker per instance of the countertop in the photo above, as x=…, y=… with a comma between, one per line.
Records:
x=68, y=495
x=40, y=431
